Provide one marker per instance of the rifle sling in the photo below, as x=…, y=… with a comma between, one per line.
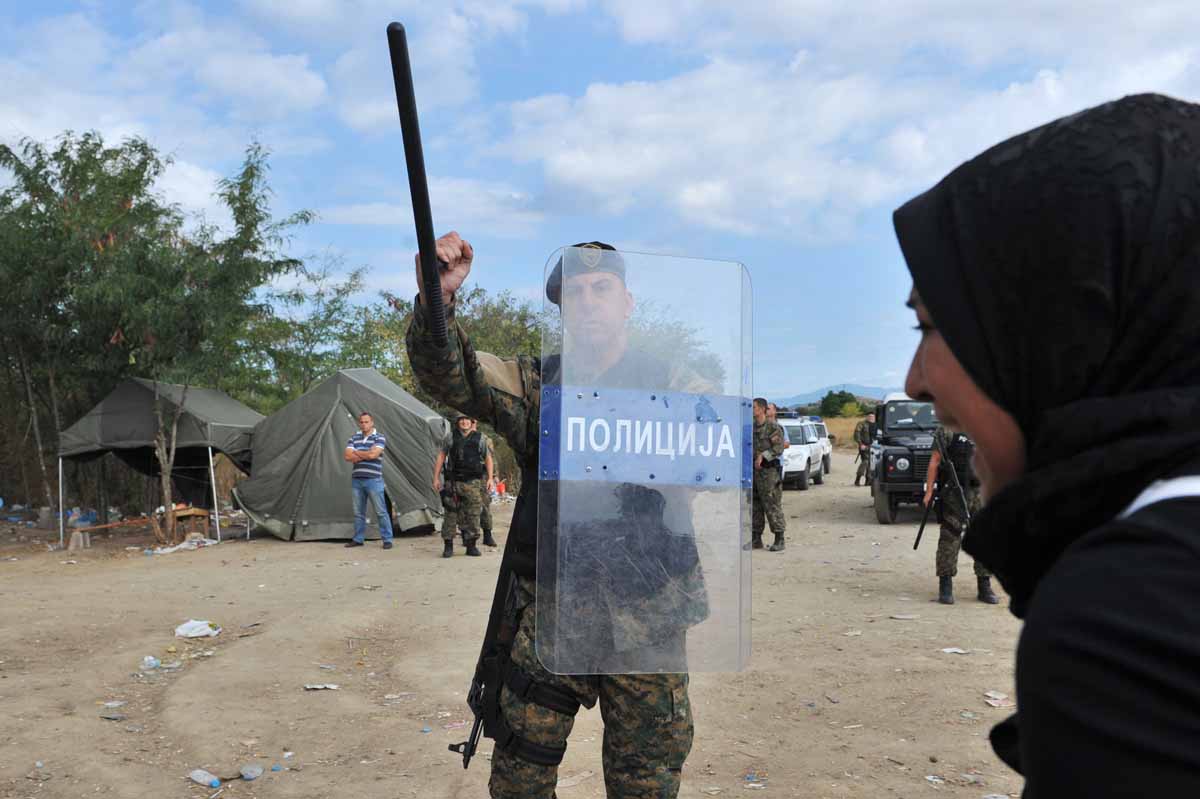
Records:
x=527, y=689
x=499, y=669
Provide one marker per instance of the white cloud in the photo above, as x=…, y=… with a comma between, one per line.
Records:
x=273, y=84
x=460, y=203
x=194, y=188
x=810, y=114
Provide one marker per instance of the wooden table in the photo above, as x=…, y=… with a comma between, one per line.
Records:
x=192, y=518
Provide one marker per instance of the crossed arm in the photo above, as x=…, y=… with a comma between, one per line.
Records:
x=354, y=456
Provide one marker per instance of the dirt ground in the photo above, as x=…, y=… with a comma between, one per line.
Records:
x=841, y=698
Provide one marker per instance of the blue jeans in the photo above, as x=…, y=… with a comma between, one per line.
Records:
x=370, y=488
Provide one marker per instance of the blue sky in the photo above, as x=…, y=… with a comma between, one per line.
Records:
x=778, y=134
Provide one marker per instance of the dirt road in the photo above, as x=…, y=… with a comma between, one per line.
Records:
x=841, y=698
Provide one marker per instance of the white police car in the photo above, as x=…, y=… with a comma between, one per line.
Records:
x=803, y=460
x=823, y=440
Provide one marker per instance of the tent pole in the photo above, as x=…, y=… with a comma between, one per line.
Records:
x=212, y=476
x=61, y=511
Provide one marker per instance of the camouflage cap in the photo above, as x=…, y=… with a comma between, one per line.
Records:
x=582, y=259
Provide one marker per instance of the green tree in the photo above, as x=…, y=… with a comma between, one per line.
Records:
x=834, y=403
x=110, y=282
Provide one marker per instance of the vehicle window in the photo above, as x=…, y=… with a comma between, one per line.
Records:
x=810, y=435
x=822, y=431
x=910, y=415
x=795, y=434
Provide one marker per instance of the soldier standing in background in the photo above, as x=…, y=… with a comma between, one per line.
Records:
x=769, y=442
x=485, y=515
x=950, y=466
x=470, y=462
x=864, y=434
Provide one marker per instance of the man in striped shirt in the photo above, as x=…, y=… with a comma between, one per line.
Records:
x=365, y=451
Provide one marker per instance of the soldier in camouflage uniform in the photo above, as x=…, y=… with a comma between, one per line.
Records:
x=647, y=717
x=769, y=443
x=485, y=514
x=864, y=434
x=470, y=462
x=950, y=466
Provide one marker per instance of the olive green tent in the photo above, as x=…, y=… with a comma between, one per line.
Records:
x=125, y=423
x=299, y=487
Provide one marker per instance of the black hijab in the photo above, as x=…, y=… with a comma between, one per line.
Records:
x=1062, y=267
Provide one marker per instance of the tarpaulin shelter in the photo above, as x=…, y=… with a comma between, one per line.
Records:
x=299, y=488
x=125, y=423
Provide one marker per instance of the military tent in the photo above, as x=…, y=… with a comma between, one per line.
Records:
x=299, y=488
x=126, y=423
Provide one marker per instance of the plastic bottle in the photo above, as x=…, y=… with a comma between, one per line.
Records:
x=150, y=663
x=202, y=777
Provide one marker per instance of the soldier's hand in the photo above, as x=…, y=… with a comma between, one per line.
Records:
x=758, y=461
x=456, y=253
x=437, y=484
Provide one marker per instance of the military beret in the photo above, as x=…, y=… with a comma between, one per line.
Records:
x=582, y=259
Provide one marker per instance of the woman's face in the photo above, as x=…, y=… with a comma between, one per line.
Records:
x=935, y=374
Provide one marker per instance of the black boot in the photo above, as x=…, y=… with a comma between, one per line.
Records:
x=858, y=481
x=488, y=541
x=756, y=542
x=946, y=589
x=778, y=546
x=448, y=551
x=985, y=591
x=473, y=550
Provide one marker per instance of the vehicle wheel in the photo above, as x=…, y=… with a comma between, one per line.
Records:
x=819, y=477
x=885, y=509
x=802, y=480
x=827, y=464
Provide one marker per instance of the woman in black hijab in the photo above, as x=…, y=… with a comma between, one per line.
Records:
x=1056, y=281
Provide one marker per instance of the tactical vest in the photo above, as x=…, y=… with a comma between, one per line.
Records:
x=959, y=453
x=467, y=456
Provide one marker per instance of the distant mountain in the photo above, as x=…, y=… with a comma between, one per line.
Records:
x=815, y=396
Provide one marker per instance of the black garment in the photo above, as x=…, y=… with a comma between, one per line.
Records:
x=1062, y=268
x=959, y=455
x=468, y=456
x=1108, y=668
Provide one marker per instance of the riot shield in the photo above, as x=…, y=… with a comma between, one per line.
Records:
x=643, y=562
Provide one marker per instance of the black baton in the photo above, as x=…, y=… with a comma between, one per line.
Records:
x=418, y=186
x=924, y=519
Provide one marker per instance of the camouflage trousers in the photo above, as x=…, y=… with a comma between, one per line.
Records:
x=464, y=515
x=864, y=465
x=953, y=520
x=485, y=513
x=768, y=502
x=647, y=725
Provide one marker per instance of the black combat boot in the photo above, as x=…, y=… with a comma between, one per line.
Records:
x=448, y=551
x=473, y=550
x=946, y=589
x=756, y=542
x=985, y=591
x=858, y=481
x=488, y=541
x=778, y=546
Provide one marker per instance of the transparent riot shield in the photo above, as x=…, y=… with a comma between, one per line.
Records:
x=643, y=562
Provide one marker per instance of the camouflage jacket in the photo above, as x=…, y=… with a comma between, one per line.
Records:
x=769, y=440
x=862, y=433
x=503, y=393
